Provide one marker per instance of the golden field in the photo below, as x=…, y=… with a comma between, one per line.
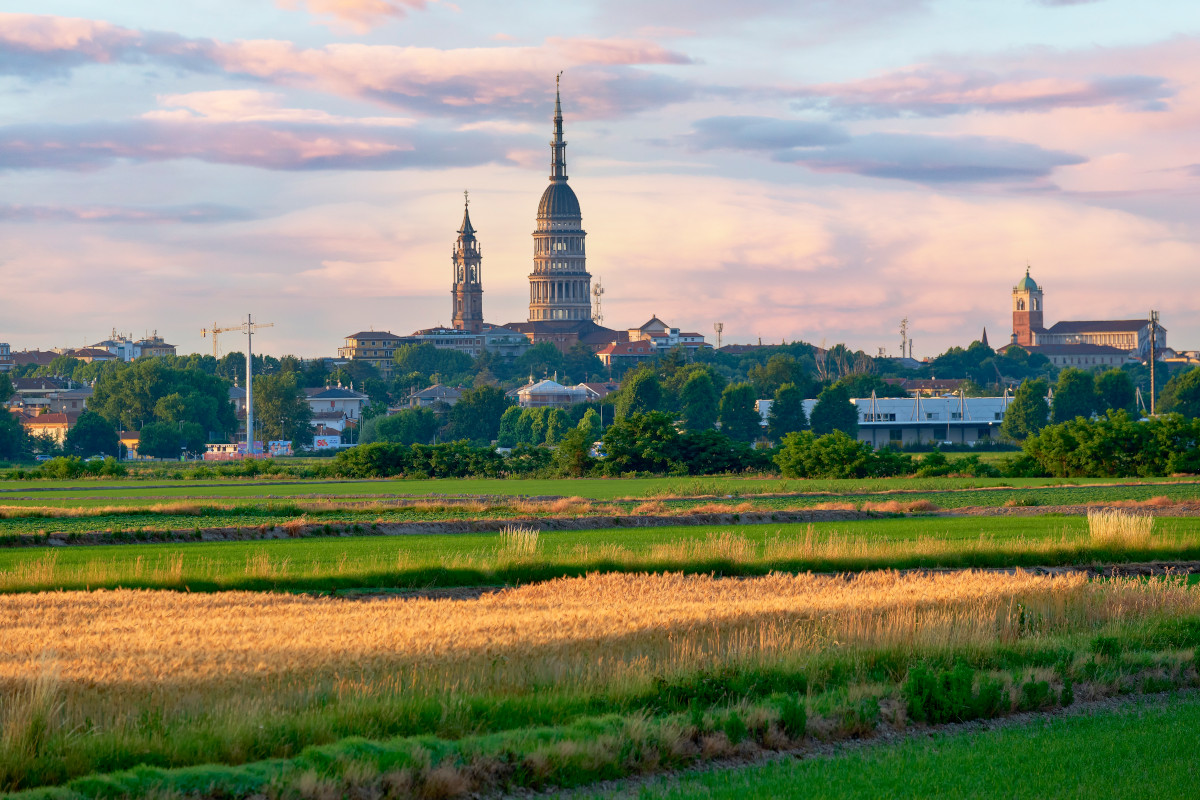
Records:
x=572, y=632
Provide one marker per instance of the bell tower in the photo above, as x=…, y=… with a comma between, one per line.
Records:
x=468, y=278
x=1027, y=311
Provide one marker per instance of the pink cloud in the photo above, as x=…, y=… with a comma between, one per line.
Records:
x=513, y=81
x=250, y=105
x=358, y=15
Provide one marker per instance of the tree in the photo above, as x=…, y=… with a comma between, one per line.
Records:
x=574, y=452
x=581, y=363
x=477, y=414
x=590, y=422
x=1028, y=412
x=787, y=412
x=556, y=426
x=642, y=443
x=541, y=360
x=280, y=408
x=641, y=394
x=92, y=435
x=14, y=439
x=861, y=385
x=409, y=426
x=149, y=390
x=6, y=388
x=1182, y=394
x=508, y=435
x=427, y=359
x=1074, y=395
x=1114, y=391
x=834, y=412
x=169, y=440
x=779, y=370
x=699, y=400
x=739, y=418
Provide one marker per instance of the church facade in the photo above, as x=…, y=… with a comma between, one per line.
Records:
x=1078, y=342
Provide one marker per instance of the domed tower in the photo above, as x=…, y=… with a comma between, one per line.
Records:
x=559, y=286
x=1027, y=311
x=468, y=278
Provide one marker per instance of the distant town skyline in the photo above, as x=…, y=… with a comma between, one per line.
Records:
x=797, y=170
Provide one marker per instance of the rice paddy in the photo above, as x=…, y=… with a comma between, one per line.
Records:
x=321, y=657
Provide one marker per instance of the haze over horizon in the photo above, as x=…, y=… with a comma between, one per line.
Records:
x=811, y=170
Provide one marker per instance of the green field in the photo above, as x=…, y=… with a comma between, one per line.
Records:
x=1140, y=750
x=592, y=488
x=439, y=560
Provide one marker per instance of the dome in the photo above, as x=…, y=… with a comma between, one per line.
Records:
x=558, y=201
x=1026, y=284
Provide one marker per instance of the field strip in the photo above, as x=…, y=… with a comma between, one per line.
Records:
x=138, y=531
x=883, y=738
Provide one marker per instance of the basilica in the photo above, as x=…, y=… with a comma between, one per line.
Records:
x=560, y=287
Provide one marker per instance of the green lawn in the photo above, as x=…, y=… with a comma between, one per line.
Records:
x=1146, y=750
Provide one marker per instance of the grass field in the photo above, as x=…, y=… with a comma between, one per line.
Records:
x=592, y=488
x=104, y=681
x=423, y=561
x=1140, y=750
x=297, y=668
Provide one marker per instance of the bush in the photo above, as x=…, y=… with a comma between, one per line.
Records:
x=950, y=695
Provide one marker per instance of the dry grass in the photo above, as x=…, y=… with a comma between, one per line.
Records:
x=518, y=541
x=718, y=508
x=1120, y=529
x=882, y=506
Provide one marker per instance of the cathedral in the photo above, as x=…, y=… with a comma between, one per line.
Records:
x=560, y=287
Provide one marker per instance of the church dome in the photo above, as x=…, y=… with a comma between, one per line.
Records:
x=1026, y=284
x=558, y=201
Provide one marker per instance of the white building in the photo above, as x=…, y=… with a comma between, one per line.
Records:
x=334, y=406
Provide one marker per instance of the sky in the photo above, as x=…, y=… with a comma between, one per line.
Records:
x=809, y=170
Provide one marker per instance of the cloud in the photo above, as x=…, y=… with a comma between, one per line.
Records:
x=602, y=76
x=198, y=213
x=935, y=159
x=921, y=158
x=814, y=16
x=762, y=133
x=255, y=144
x=358, y=15
x=936, y=92
x=1058, y=3
x=250, y=105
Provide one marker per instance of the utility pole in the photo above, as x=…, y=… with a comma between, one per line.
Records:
x=248, y=327
x=1153, y=358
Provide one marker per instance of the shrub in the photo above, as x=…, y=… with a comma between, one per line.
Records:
x=793, y=718
x=950, y=695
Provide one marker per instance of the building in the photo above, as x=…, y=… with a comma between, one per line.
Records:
x=664, y=337
x=89, y=354
x=927, y=386
x=427, y=398
x=620, y=356
x=1029, y=330
x=551, y=394
x=560, y=287
x=54, y=426
x=130, y=439
x=1084, y=356
x=39, y=358
x=126, y=348
x=376, y=348
x=6, y=359
x=936, y=420
x=335, y=407
x=467, y=260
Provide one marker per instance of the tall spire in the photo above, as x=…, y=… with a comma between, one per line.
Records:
x=466, y=228
x=558, y=148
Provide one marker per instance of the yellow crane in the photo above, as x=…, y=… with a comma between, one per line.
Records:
x=215, y=331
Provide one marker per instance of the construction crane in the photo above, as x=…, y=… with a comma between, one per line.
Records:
x=215, y=331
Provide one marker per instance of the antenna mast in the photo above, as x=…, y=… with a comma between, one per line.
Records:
x=904, y=337
x=1153, y=358
x=597, y=292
